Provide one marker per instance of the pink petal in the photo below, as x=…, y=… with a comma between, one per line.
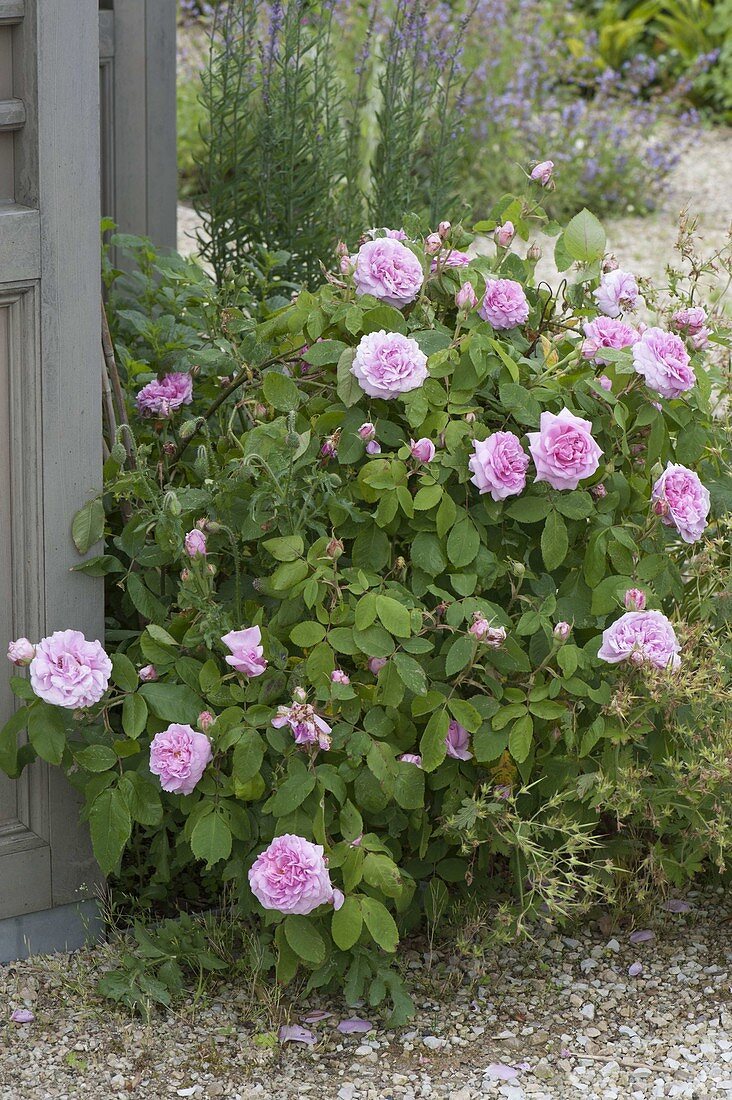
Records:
x=338, y=898
x=497, y=1071
x=642, y=936
x=22, y=1016
x=634, y=970
x=354, y=1026
x=676, y=905
x=293, y=1033
x=316, y=1017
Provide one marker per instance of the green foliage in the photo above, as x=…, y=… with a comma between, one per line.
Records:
x=580, y=772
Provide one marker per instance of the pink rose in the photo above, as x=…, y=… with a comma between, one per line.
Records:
x=563, y=450
x=618, y=291
x=367, y=431
x=389, y=271
x=466, y=297
x=457, y=741
x=690, y=321
x=504, y=304
x=387, y=364
x=452, y=259
x=423, y=450
x=68, y=671
x=686, y=501
x=195, y=544
x=504, y=234
x=291, y=876
x=499, y=465
x=247, y=653
x=308, y=728
x=148, y=673
x=664, y=362
x=162, y=397
x=606, y=332
x=411, y=758
x=640, y=636
x=376, y=664
x=433, y=243
x=337, y=676
x=635, y=600
x=21, y=652
x=178, y=756
x=542, y=172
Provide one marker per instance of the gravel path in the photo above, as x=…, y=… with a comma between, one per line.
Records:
x=553, y=1019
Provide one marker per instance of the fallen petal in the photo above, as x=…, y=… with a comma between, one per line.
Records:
x=315, y=1017
x=634, y=970
x=293, y=1033
x=22, y=1016
x=643, y=935
x=498, y=1072
x=676, y=905
x=354, y=1026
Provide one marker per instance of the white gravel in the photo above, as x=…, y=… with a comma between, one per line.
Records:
x=552, y=1019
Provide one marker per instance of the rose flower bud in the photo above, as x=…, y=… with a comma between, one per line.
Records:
x=635, y=600
x=423, y=449
x=466, y=297
x=504, y=234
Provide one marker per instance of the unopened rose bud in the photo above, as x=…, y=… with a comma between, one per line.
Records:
x=21, y=652
x=504, y=234
x=195, y=543
x=260, y=411
x=211, y=569
x=356, y=842
x=444, y=228
x=470, y=418
x=605, y=382
x=205, y=720
x=347, y=264
x=661, y=508
x=433, y=243
x=543, y=172
x=422, y=449
x=562, y=631
x=466, y=297
x=599, y=492
x=148, y=673
x=635, y=600
x=441, y=609
x=334, y=549
x=185, y=575
x=367, y=431
x=637, y=657
x=338, y=676
x=300, y=695
x=376, y=664
x=341, y=249
x=533, y=253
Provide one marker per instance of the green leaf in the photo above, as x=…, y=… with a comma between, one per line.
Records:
x=9, y=741
x=142, y=797
x=290, y=794
x=288, y=548
x=280, y=391
x=304, y=939
x=172, y=702
x=248, y=756
x=380, y=923
x=307, y=634
x=432, y=745
x=324, y=352
x=394, y=616
x=409, y=787
x=346, y=925
x=519, y=739
x=466, y=714
x=371, y=549
x=144, y=601
x=529, y=509
x=96, y=758
x=460, y=654
x=463, y=543
x=520, y=403
x=574, y=505
x=347, y=387
x=124, y=673
x=134, y=715
x=111, y=826
x=47, y=732
x=427, y=553
x=584, y=237
x=386, y=317
x=88, y=525
x=411, y=673
x=554, y=541
x=211, y=839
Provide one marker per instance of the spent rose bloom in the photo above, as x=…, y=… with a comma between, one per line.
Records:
x=411, y=758
x=457, y=741
x=387, y=364
x=161, y=397
x=686, y=501
x=367, y=431
x=466, y=297
x=542, y=172
x=389, y=271
x=247, y=653
x=338, y=676
x=422, y=449
x=563, y=450
x=504, y=234
x=606, y=332
x=640, y=636
x=291, y=876
x=663, y=361
x=635, y=600
x=499, y=465
x=308, y=728
x=617, y=292
x=178, y=756
x=494, y=637
x=504, y=304
x=195, y=544
x=691, y=322
x=148, y=673
x=68, y=671
x=21, y=652
x=376, y=664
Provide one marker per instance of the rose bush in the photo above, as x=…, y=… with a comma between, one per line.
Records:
x=397, y=603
